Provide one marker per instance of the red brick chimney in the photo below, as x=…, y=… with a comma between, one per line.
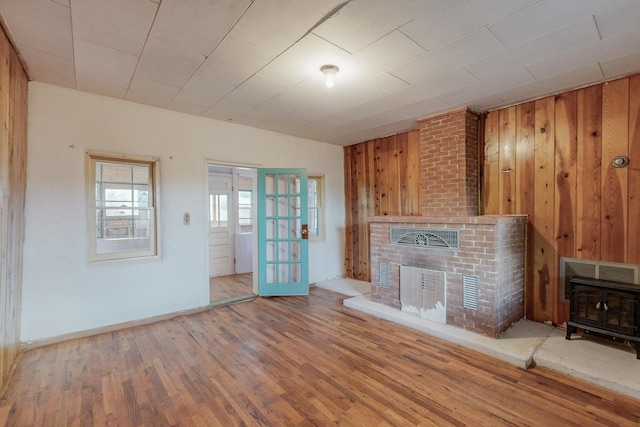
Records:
x=449, y=164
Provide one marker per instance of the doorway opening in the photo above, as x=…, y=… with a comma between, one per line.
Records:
x=231, y=230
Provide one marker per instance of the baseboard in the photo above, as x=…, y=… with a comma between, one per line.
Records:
x=28, y=345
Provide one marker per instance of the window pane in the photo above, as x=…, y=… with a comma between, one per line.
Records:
x=314, y=199
x=218, y=213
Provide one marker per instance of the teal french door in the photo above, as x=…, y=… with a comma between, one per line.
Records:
x=283, y=264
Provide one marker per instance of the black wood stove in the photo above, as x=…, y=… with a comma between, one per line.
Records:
x=607, y=308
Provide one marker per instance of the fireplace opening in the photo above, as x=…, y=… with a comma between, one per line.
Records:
x=423, y=293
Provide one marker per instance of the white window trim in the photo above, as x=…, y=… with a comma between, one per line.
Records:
x=154, y=235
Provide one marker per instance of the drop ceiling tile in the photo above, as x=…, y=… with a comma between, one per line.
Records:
x=600, y=51
x=620, y=66
x=371, y=108
x=556, y=84
x=274, y=25
x=167, y=63
x=41, y=25
x=391, y=51
x=203, y=91
x=317, y=99
x=186, y=107
x=480, y=44
x=434, y=87
x=303, y=60
x=616, y=21
x=198, y=27
x=101, y=89
x=151, y=92
x=275, y=109
x=118, y=24
x=48, y=68
x=482, y=103
x=359, y=24
x=545, y=17
x=235, y=60
x=103, y=65
x=486, y=87
x=433, y=28
x=255, y=91
x=418, y=110
x=571, y=37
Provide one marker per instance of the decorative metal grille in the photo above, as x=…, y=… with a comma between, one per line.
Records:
x=426, y=238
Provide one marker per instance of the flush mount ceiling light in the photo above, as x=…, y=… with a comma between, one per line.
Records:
x=329, y=72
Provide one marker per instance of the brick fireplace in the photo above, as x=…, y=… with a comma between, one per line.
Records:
x=484, y=271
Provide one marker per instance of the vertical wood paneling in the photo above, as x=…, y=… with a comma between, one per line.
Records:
x=633, y=251
x=579, y=206
x=13, y=157
x=412, y=201
x=382, y=177
x=364, y=206
x=566, y=129
x=615, y=142
x=506, y=160
x=5, y=211
x=588, y=203
x=524, y=174
x=393, y=177
x=351, y=214
x=544, y=211
x=491, y=172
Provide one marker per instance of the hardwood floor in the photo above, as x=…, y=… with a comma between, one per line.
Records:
x=291, y=361
x=232, y=286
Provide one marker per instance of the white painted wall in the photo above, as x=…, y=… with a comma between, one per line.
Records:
x=62, y=291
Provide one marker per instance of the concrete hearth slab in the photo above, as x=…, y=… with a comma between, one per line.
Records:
x=516, y=346
x=610, y=365
x=525, y=344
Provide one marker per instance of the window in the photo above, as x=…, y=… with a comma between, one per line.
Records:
x=218, y=212
x=122, y=207
x=245, y=220
x=245, y=203
x=315, y=184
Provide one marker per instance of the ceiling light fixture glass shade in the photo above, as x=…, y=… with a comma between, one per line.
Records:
x=329, y=72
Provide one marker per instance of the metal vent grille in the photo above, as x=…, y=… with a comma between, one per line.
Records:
x=425, y=237
x=470, y=291
x=384, y=274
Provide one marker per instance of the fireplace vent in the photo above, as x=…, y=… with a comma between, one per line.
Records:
x=470, y=291
x=384, y=274
x=425, y=237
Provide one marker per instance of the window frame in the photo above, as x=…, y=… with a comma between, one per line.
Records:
x=91, y=158
x=319, y=180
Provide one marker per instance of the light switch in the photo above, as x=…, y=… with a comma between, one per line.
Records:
x=186, y=218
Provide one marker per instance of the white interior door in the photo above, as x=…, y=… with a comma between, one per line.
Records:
x=221, y=225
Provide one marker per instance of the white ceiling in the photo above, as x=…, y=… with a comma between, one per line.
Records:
x=258, y=62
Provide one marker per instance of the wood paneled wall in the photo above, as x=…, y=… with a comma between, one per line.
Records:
x=551, y=159
x=382, y=177
x=13, y=157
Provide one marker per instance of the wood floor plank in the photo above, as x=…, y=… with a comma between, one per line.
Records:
x=291, y=361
